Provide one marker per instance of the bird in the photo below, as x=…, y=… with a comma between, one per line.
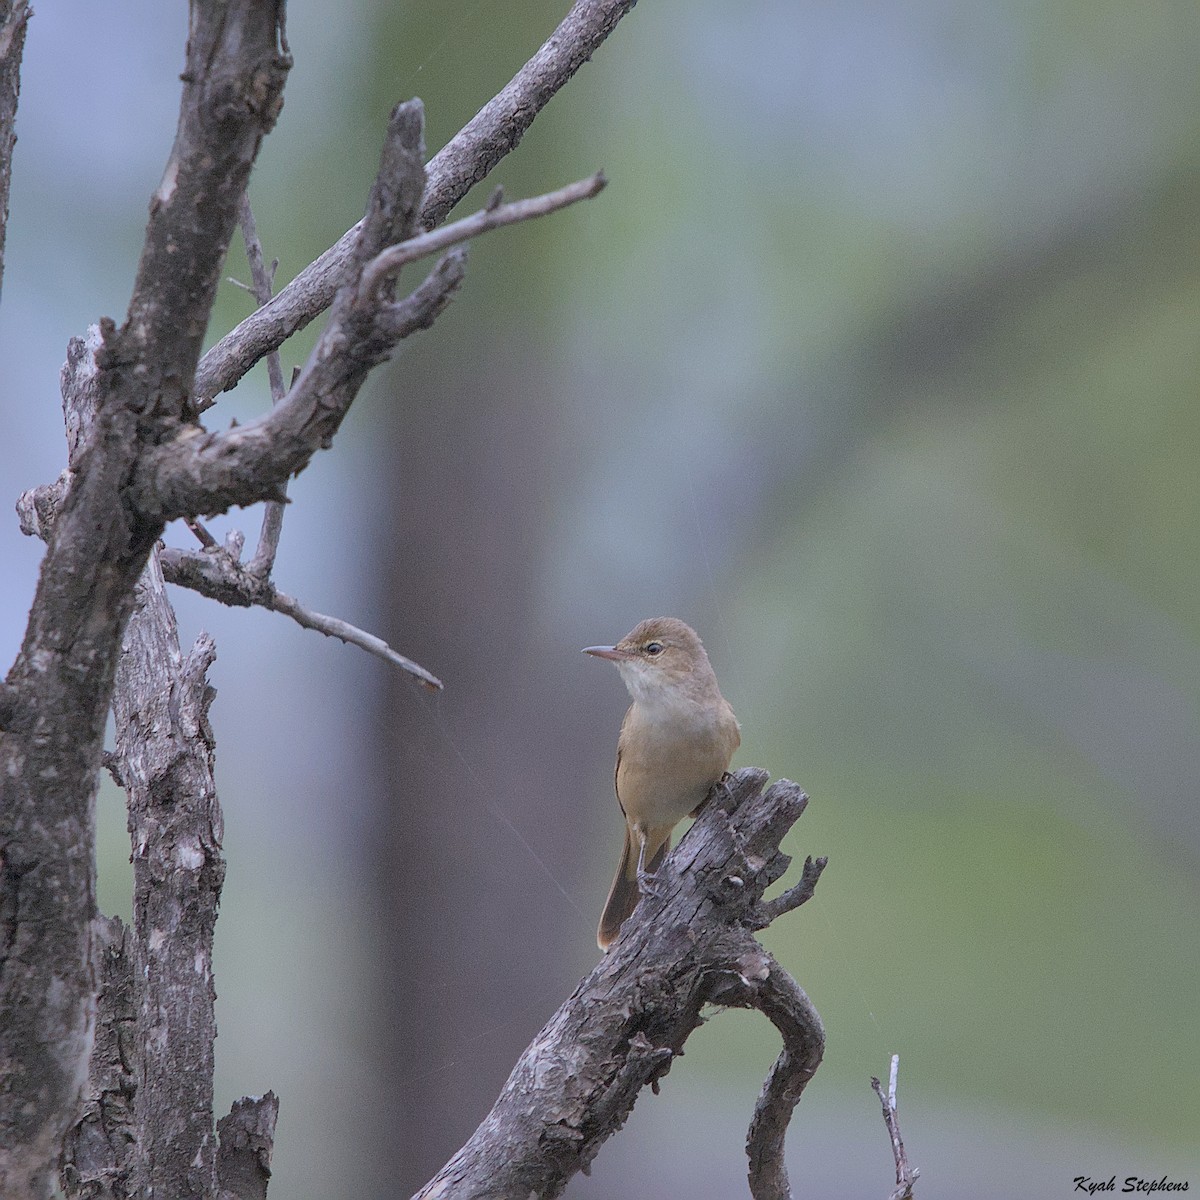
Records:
x=676, y=743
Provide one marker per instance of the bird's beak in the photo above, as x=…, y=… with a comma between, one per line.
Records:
x=610, y=652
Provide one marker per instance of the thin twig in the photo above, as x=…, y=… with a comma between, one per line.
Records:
x=219, y=576
x=389, y=261
x=906, y=1176
x=344, y=631
x=202, y=535
x=263, y=560
x=263, y=281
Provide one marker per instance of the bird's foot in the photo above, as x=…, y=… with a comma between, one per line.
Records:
x=649, y=883
x=722, y=785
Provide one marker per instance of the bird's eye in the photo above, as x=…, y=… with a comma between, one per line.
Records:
x=653, y=648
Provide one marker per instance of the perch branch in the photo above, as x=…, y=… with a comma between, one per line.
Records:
x=219, y=576
x=463, y=162
x=906, y=1176
x=685, y=946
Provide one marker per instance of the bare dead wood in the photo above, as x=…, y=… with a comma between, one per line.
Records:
x=38, y=508
x=136, y=458
x=387, y=262
x=96, y=1161
x=217, y=574
x=205, y=473
x=262, y=281
x=165, y=755
x=147, y=1123
x=906, y=1175
x=247, y=1137
x=62, y=678
x=464, y=161
x=799, y=893
x=688, y=945
x=790, y=1011
x=238, y=466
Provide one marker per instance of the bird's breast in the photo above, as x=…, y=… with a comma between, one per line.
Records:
x=669, y=759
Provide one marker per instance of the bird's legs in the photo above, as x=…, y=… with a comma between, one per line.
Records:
x=648, y=884
x=722, y=785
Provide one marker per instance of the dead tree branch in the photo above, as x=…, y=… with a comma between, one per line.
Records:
x=215, y=573
x=209, y=472
x=147, y=1123
x=247, y=1137
x=164, y=754
x=262, y=281
x=62, y=679
x=387, y=262
x=241, y=465
x=463, y=162
x=96, y=1158
x=906, y=1176
x=686, y=946
x=791, y=1012
x=137, y=457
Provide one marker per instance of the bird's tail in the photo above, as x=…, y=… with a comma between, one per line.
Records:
x=624, y=893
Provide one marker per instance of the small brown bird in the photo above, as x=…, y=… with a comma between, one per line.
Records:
x=676, y=742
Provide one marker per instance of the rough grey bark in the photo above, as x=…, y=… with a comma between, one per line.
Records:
x=61, y=683
x=688, y=945
x=147, y=1122
x=164, y=758
x=239, y=466
x=14, y=18
x=97, y=1150
x=247, y=1136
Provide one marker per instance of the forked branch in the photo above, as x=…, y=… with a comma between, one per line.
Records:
x=239, y=466
x=686, y=946
x=906, y=1175
x=464, y=161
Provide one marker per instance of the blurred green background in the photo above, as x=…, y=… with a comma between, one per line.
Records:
x=877, y=362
